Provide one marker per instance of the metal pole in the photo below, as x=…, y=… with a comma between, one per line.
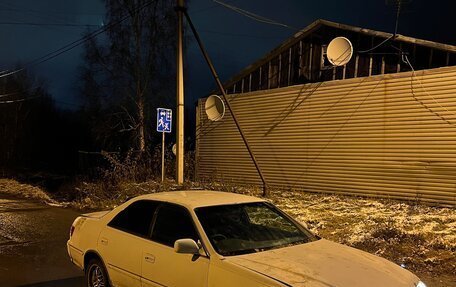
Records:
x=222, y=90
x=180, y=96
x=399, y=3
x=163, y=156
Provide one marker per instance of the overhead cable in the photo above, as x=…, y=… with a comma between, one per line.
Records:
x=254, y=16
x=19, y=100
x=49, y=24
x=73, y=44
x=406, y=60
x=377, y=46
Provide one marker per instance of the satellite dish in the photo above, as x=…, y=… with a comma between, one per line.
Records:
x=174, y=149
x=215, y=108
x=340, y=51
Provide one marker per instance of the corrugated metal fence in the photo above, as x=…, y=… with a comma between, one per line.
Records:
x=390, y=136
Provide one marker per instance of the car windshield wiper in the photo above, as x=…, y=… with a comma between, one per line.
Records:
x=297, y=242
x=265, y=248
x=240, y=252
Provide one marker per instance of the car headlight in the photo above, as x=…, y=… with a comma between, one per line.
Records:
x=420, y=284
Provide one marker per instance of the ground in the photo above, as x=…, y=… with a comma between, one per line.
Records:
x=422, y=238
x=419, y=237
x=32, y=244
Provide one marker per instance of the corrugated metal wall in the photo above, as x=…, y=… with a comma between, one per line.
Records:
x=390, y=136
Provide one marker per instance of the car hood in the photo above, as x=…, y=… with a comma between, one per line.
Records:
x=324, y=263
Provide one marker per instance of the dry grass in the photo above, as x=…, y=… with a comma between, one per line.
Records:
x=17, y=189
x=418, y=236
x=103, y=195
x=421, y=237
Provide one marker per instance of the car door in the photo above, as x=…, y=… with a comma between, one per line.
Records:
x=161, y=265
x=121, y=242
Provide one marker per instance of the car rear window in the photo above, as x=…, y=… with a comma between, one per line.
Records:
x=136, y=218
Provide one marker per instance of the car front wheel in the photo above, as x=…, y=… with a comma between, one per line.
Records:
x=96, y=275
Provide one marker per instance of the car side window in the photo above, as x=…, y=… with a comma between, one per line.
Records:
x=136, y=218
x=173, y=223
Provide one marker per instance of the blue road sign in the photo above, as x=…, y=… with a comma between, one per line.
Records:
x=164, y=120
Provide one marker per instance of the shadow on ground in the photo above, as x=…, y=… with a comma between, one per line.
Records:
x=70, y=282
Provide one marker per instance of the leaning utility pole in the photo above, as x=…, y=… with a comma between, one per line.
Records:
x=225, y=98
x=180, y=96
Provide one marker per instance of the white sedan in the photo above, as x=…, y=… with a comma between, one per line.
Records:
x=217, y=239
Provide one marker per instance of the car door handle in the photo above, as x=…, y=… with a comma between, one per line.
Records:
x=149, y=258
x=104, y=241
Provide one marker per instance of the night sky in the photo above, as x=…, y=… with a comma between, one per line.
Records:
x=233, y=40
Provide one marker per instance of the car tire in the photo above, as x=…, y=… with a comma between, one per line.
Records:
x=96, y=275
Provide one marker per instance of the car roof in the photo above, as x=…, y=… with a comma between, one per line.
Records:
x=199, y=198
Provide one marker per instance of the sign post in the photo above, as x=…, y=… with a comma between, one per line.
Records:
x=164, y=123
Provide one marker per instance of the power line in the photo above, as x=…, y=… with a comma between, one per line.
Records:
x=377, y=46
x=19, y=92
x=50, y=13
x=9, y=94
x=406, y=60
x=205, y=8
x=19, y=100
x=34, y=13
x=238, y=35
x=399, y=4
x=254, y=16
x=49, y=24
x=73, y=44
x=30, y=98
x=43, y=14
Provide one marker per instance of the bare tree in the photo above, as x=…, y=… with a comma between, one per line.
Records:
x=35, y=135
x=130, y=71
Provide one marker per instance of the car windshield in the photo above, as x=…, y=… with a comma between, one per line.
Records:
x=250, y=227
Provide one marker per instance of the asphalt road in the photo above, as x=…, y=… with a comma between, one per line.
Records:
x=33, y=245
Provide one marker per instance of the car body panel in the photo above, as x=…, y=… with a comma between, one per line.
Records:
x=136, y=261
x=97, y=214
x=84, y=239
x=76, y=255
x=325, y=263
x=161, y=264
x=121, y=252
x=199, y=198
x=223, y=273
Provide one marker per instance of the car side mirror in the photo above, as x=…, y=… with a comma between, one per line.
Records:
x=186, y=246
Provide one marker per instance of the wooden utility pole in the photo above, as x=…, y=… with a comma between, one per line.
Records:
x=180, y=96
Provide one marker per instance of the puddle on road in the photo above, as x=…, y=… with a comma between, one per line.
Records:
x=33, y=241
x=22, y=222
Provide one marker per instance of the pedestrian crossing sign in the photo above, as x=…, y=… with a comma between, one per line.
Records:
x=164, y=120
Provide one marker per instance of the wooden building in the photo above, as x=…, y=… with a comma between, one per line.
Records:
x=301, y=59
x=372, y=127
